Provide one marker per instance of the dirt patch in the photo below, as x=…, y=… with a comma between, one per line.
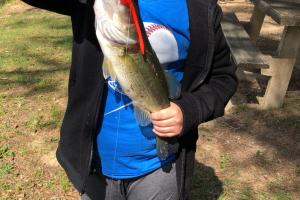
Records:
x=50, y=159
x=254, y=149
x=247, y=154
x=15, y=7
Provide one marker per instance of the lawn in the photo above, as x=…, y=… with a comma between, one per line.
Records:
x=248, y=154
x=34, y=62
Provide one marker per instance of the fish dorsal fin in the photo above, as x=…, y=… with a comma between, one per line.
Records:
x=174, y=87
x=142, y=116
x=108, y=70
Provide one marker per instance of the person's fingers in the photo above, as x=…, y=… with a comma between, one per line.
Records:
x=165, y=123
x=163, y=114
x=166, y=135
x=164, y=130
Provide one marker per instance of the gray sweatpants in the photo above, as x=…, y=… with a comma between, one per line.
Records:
x=158, y=185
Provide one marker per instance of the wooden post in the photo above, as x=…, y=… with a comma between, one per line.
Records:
x=298, y=60
x=290, y=42
x=256, y=21
x=281, y=68
x=280, y=71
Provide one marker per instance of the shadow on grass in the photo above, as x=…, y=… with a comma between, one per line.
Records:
x=278, y=128
x=37, y=40
x=55, y=41
x=45, y=51
x=37, y=80
x=46, y=22
x=206, y=185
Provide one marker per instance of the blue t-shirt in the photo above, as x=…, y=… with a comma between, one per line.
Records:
x=126, y=149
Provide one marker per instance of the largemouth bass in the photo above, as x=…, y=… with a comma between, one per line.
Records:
x=130, y=60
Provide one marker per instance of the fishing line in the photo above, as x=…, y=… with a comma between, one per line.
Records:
x=116, y=145
x=128, y=34
x=125, y=105
x=118, y=109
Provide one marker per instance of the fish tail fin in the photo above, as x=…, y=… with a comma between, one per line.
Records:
x=166, y=147
x=174, y=86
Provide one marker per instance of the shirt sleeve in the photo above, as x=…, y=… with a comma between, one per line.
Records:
x=209, y=100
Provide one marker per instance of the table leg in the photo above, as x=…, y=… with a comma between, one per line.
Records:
x=290, y=42
x=280, y=72
x=281, y=68
x=255, y=24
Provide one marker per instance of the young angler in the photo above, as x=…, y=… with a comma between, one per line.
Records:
x=104, y=152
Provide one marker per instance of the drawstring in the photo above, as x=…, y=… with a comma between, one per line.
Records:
x=124, y=183
x=122, y=189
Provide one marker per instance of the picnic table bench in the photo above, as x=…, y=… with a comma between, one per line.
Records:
x=246, y=55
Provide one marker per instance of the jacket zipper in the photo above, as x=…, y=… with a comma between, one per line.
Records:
x=93, y=130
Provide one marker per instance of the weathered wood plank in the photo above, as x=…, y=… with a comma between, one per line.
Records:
x=244, y=53
x=256, y=22
x=286, y=13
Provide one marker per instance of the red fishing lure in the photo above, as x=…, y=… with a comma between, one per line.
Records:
x=129, y=3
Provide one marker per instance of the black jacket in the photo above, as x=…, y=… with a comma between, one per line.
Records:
x=208, y=83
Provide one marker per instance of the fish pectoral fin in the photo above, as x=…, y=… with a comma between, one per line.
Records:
x=108, y=70
x=174, y=87
x=105, y=70
x=142, y=116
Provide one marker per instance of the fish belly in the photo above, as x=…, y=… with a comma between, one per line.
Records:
x=141, y=83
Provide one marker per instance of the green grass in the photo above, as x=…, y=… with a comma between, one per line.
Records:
x=56, y=117
x=225, y=161
x=4, y=186
x=64, y=182
x=282, y=196
x=50, y=184
x=39, y=38
x=34, y=123
x=2, y=113
x=246, y=194
x=35, y=49
x=261, y=159
x=35, y=54
x=3, y=2
x=5, y=169
x=280, y=190
x=5, y=151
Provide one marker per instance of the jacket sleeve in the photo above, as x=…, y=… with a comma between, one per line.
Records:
x=208, y=101
x=58, y=6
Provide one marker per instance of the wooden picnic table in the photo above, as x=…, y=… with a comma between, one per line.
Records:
x=287, y=14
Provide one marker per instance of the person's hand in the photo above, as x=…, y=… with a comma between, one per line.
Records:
x=167, y=122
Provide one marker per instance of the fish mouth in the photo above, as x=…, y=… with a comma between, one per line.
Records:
x=115, y=36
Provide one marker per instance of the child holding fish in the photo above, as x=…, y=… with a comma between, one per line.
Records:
x=142, y=79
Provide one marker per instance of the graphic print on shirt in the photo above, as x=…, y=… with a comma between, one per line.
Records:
x=163, y=43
